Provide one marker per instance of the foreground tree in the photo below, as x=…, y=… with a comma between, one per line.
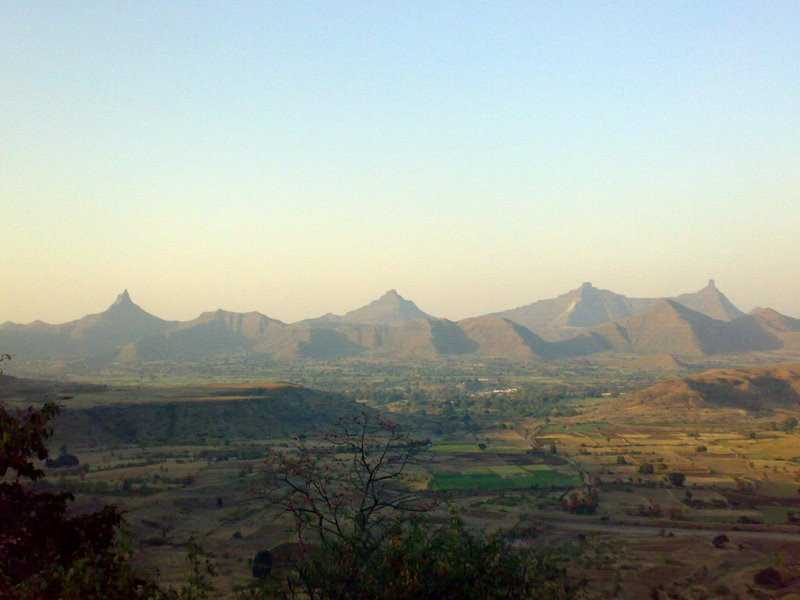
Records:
x=351, y=487
x=418, y=561
x=45, y=552
x=365, y=535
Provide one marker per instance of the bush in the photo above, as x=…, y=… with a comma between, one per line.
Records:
x=418, y=562
x=677, y=479
x=647, y=469
x=581, y=501
x=262, y=564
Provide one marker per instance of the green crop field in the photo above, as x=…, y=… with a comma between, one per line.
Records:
x=490, y=481
x=469, y=448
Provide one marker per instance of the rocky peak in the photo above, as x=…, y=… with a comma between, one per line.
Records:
x=124, y=299
x=388, y=309
x=391, y=295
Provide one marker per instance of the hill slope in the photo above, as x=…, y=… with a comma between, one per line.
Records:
x=749, y=389
x=498, y=337
x=784, y=328
x=670, y=327
x=711, y=302
x=585, y=306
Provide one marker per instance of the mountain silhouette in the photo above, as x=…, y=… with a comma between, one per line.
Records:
x=581, y=322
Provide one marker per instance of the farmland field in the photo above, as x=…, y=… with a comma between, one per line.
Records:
x=491, y=481
x=186, y=461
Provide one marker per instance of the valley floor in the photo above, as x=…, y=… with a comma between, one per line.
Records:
x=651, y=531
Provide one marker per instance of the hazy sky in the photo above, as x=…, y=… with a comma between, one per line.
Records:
x=300, y=157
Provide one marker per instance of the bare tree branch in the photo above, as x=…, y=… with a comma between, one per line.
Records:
x=350, y=486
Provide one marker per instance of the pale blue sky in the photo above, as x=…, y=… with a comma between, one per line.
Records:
x=301, y=157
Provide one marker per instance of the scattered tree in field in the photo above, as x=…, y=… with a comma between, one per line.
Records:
x=770, y=578
x=647, y=469
x=583, y=501
x=262, y=564
x=790, y=424
x=720, y=541
x=677, y=479
x=651, y=509
x=65, y=459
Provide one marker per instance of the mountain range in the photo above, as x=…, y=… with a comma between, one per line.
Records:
x=583, y=321
x=587, y=306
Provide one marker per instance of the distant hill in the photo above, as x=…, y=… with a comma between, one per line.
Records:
x=390, y=309
x=582, y=322
x=101, y=334
x=784, y=328
x=748, y=389
x=497, y=337
x=217, y=332
x=585, y=306
x=426, y=338
x=776, y=321
x=670, y=327
x=710, y=302
x=588, y=306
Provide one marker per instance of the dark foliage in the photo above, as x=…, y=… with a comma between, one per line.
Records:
x=420, y=562
x=677, y=479
x=769, y=577
x=46, y=553
x=22, y=440
x=262, y=564
x=364, y=534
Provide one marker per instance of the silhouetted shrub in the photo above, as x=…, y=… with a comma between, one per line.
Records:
x=262, y=564
x=677, y=479
x=647, y=469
